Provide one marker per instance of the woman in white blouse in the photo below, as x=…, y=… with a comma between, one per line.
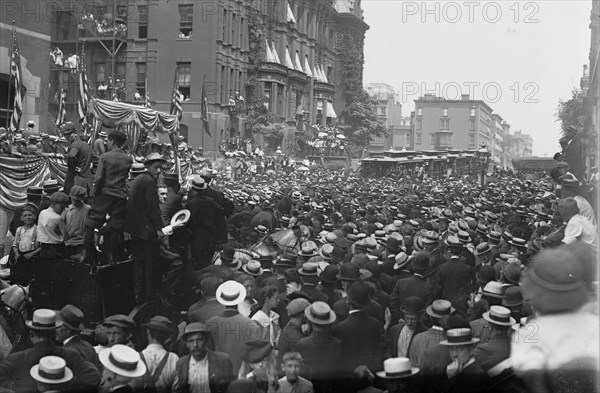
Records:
x=265, y=316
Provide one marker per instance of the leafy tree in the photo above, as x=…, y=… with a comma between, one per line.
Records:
x=570, y=113
x=260, y=120
x=359, y=120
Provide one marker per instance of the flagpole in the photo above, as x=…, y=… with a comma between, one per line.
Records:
x=10, y=59
x=203, y=123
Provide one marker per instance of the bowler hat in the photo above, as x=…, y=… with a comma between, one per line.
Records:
x=359, y=294
x=413, y=305
x=350, y=271
x=485, y=274
x=513, y=296
x=71, y=316
x=329, y=274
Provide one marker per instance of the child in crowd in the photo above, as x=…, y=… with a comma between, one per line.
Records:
x=25, y=244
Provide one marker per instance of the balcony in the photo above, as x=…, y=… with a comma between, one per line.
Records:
x=297, y=75
x=273, y=68
x=324, y=87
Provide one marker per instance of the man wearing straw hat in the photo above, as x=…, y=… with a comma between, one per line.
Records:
x=52, y=374
x=464, y=373
x=122, y=365
x=42, y=331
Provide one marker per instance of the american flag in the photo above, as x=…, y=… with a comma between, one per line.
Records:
x=15, y=75
x=147, y=95
x=82, y=104
x=62, y=110
x=204, y=109
x=176, y=100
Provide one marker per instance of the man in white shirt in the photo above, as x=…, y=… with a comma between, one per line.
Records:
x=570, y=189
x=578, y=227
x=51, y=229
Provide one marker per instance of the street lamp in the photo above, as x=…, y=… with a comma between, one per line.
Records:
x=483, y=156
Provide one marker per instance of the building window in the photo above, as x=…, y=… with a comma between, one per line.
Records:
x=233, y=26
x=418, y=138
x=419, y=124
x=123, y=12
x=222, y=85
x=407, y=140
x=242, y=27
x=143, y=21
x=472, y=125
x=184, y=79
x=186, y=15
x=419, y=111
x=308, y=22
x=432, y=138
x=64, y=21
x=445, y=124
x=472, y=111
x=224, y=24
x=280, y=98
x=140, y=81
x=100, y=72
x=471, y=139
x=445, y=112
x=268, y=96
x=446, y=140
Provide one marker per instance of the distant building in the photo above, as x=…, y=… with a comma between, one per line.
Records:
x=33, y=37
x=521, y=145
x=465, y=124
x=590, y=86
x=389, y=113
x=287, y=55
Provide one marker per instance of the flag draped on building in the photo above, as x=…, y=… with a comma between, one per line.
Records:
x=204, y=109
x=176, y=100
x=82, y=104
x=15, y=76
x=62, y=110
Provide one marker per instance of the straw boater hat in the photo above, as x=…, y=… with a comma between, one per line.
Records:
x=396, y=368
x=253, y=268
x=308, y=269
x=231, y=293
x=440, y=308
x=51, y=370
x=461, y=336
x=320, y=313
x=122, y=360
x=43, y=319
x=499, y=315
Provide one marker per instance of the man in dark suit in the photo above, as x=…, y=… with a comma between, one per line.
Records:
x=205, y=215
x=226, y=204
x=15, y=368
x=216, y=365
x=145, y=224
x=412, y=286
x=497, y=348
x=80, y=157
x=321, y=350
x=69, y=333
x=308, y=274
x=361, y=335
x=455, y=277
x=438, y=312
x=110, y=194
x=209, y=306
x=401, y=335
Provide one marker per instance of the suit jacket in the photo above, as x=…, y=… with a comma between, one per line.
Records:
x=481, y=330
x=15, y=368
x=412, y=286
x=331, y=293
x=220, y=220
x=492, y=352
x=314, y=293
x=144, y=218
x=85, y=349
x=321, y=352
x=112, y=173
x=205, y=214
x=433, y=368
x=361, y=337
x=423, y=341
x=172, y=205
x=472, y=379
x=288, y=339
x=391, y=348
x=220, y=373
x=373, y=310
x=229, y=331
x=206, y=311
x=455, y=278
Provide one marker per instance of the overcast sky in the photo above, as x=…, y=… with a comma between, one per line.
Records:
x=524, y=55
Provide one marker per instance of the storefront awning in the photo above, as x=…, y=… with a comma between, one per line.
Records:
x=330, y=112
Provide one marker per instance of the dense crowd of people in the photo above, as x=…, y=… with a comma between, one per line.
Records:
x=315, y=282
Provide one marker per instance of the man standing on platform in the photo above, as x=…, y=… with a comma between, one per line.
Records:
x=110, y=194
x=80, y=157
x=226, y=204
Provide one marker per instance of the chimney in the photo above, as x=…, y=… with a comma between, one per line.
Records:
x=464, y=97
